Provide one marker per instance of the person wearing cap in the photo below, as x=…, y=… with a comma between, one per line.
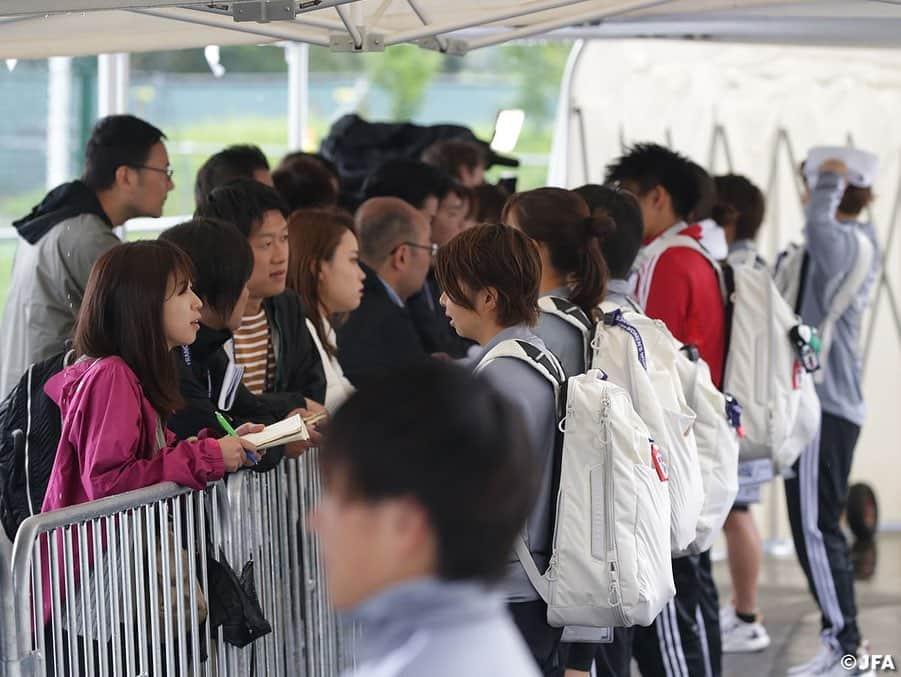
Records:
x=837, y=242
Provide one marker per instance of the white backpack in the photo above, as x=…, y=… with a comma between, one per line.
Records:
x=718, y=446
x=762, y=371
x=790, y=273
x=714, y=435
x=610, y=562
x=650, y=378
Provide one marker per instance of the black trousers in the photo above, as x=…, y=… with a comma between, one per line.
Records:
x=542, y=639
x=816, y=498
x=611, y=660
x=684, y=640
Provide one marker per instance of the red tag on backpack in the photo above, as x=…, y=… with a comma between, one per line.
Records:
x=659, y=463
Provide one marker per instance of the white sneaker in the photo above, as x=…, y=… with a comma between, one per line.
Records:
x=824, y=657
x=831, y=663
x=739, y=636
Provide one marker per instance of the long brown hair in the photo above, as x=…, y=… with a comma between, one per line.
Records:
x=562, y=221
x=313, y=237
x=122, y=314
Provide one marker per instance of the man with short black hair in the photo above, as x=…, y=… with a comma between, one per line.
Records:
x=418, y=519
x=273, y=343
x=680, y=287
x=395, y=254
x=243, y=161
x=126, y=175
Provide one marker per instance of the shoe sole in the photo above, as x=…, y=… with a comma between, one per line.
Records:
x=748, y=648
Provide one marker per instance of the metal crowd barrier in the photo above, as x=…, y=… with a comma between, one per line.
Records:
x=121, y=598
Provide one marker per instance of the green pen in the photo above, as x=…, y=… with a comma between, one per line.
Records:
x=226, y=426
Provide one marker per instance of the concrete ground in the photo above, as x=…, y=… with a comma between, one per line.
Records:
x=792, y=618
x=793, y=621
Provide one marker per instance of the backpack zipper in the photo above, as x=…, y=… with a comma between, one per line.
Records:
x=613, y=589
x=552, y=562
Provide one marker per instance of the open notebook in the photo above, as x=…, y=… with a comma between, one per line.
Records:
x=292, y=429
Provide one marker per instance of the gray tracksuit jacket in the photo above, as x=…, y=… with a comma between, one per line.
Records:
x=832, y=247
x=433, y=628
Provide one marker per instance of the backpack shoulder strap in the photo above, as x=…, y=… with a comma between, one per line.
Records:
x=542, y=361
x=569, y=312
x=615, y=318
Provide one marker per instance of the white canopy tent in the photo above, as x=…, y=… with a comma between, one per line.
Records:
x=756, y=110
x=42, y=28
x=46, y=28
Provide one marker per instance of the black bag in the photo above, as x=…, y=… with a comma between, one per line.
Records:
x=233, y=602
x=358, y=147
x=26, y=458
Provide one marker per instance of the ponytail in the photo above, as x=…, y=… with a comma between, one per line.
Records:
x=561, y=220
x=591, y=279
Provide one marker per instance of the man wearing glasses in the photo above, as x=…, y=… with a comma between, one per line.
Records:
x=396, y=253
x=126, y=175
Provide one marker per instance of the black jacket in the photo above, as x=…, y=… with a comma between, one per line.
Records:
x=298, y=369
x=378, y=336
x=61, y=203
x=433, y=325
x=201, y=368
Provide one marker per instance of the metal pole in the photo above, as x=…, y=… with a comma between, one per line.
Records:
x=59, y=93
x=298, y=57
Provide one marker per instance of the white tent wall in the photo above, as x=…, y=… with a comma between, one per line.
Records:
x=756, y=110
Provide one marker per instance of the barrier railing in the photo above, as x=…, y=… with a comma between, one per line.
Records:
x=125, y=585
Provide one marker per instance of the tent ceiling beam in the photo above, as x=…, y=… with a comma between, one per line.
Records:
x=487, y=18
x=47, y=7
x=569, y=20
x=352, y=29
x=282, y=33
x=827, y=31
x=424, y=18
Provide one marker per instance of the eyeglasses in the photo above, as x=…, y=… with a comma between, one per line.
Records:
x=432, y=248
x=168, y=171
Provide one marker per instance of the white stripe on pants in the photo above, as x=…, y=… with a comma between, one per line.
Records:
x=817, y=558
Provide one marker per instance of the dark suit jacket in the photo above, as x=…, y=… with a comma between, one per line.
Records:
x=433, y=326
x=378, y=336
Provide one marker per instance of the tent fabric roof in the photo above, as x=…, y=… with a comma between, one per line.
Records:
x=42, y=28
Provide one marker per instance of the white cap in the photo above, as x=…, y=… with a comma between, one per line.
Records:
x=861, y=165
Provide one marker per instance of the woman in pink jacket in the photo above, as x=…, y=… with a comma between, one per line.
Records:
x=138, y=306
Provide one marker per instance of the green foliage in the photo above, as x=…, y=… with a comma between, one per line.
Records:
x=538, y=69
x=404, y=71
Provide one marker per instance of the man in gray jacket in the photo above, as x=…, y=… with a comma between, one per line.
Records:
x=126, y=175
x=429, y=476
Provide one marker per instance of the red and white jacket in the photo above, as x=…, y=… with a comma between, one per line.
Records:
x=678, y=285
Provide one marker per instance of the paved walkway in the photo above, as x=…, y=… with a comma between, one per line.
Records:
x=793, y=620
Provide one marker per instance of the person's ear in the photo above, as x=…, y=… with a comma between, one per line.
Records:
x=126, y=176
x=409, y=523
x=489, y=299
x=401, y=257
x=316, y=271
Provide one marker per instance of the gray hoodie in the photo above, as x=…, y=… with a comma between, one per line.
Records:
x=432, y=628
x=60, y=241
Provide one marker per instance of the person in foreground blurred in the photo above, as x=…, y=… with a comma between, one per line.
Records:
x=418, y=520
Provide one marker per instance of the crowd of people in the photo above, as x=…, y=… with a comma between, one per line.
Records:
x=284, y=295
